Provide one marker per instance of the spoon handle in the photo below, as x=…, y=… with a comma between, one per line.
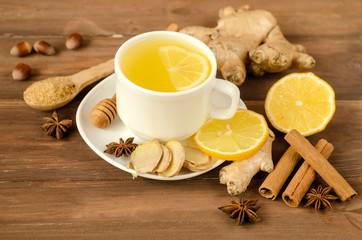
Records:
x=90, y=75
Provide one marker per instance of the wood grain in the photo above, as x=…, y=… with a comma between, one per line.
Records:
x=53, y=189
x=130, y=211
x=104, y=18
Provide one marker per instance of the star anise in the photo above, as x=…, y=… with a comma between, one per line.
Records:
x=56, y=128
x=320, y=197
x=121, y=148
x=243, y=211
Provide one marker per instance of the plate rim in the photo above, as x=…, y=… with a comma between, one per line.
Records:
x=108, y=159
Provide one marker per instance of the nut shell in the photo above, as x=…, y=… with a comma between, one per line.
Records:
x=44, y=47
x=21, y=71
x=73, y=41
x=21, y=49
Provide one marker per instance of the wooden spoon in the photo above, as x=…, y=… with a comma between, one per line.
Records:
x=55, y=92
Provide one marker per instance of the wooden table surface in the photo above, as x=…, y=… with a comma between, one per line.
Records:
x=52, y=189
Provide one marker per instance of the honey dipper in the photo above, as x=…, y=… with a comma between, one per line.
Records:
x=104, y=112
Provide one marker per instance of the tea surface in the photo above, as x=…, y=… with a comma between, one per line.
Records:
x=143, y=64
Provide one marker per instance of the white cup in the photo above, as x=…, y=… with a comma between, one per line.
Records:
x=171, y=115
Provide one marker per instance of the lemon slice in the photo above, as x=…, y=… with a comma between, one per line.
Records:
x=186, y=69
x=300, y=101
x=237, y=138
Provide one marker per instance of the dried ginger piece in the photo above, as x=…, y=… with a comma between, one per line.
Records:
x=146, y=156
x=177, y=161
x=165, y=160
x=195, y=160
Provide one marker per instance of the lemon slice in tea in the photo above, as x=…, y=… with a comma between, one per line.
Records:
x=186, y=69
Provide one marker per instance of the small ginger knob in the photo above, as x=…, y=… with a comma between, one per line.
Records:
x=104, y=112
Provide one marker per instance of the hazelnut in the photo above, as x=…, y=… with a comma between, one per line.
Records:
x=44, y=48
x=21, y=71
x=21, y=49
x=74, y=41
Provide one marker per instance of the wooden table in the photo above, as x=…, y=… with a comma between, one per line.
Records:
x=52, y=189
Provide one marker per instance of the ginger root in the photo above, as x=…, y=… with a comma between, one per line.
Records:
x=250, y=41
x=238, y=174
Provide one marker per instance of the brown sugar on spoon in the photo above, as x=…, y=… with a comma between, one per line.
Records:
x=104, y=112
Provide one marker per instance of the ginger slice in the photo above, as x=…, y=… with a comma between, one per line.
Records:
x=177, y=161
x=195, y=160
x=165, y=160
x=195, y=168
x=146, y=156
x=196, y=157
x=189, y=142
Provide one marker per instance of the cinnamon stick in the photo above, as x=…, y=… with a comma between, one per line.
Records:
x=321, y=165
x=274, y=182
x=304, y=177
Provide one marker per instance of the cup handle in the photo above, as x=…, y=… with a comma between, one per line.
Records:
x=230, y=90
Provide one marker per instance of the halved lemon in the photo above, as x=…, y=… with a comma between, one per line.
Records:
x=237, y=138
x=186, y=69
x=300, y=101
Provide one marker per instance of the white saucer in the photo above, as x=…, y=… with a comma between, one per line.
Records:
x=97, y=138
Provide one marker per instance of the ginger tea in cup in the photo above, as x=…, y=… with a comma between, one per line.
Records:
x=165, y=82
x=164, y=65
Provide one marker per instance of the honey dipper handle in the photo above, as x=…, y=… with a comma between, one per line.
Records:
x=90, y=75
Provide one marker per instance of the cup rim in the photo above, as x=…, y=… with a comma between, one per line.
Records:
x=130, y=41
